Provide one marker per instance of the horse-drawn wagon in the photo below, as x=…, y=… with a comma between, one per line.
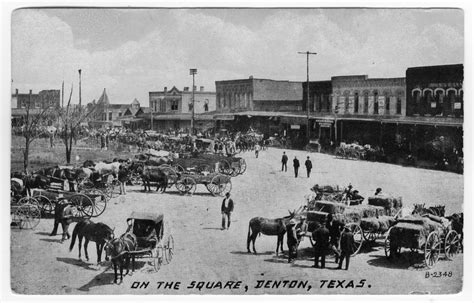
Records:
x=432, y=235
x=25, y=213
x=149, y=228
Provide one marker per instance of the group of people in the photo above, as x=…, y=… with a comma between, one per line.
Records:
x=296, y=165
x=330, y=236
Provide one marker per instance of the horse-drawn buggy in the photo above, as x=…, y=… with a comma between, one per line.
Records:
x=430, y=234
x=25, y=212
x=149, y=229
x=367, y=222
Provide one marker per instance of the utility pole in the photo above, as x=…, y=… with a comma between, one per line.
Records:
x=79, y=88
x=307, y=53
x=62, y=95
x=192, y=71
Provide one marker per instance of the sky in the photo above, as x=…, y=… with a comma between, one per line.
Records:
x=131, y=52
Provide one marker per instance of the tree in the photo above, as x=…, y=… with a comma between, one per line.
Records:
x=72, y=116
x=34, y=122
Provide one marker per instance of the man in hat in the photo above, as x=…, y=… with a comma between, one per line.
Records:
x=227, y=208
x=292, y=240
x=321, y=239
x=378, y=192
x=334, y=233
x=296, y=166
x=284, y=160
x=309, y=166
x=347, y=240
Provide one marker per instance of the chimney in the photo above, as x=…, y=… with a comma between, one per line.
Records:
x=201, y=88
x=250, y=77
x=186, y=89
x=31, y=91
x=165, y=89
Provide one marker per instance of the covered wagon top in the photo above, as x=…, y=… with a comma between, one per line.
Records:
x=155, y=217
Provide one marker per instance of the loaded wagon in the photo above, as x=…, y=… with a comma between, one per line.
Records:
x=429, y=234
x=149, y=230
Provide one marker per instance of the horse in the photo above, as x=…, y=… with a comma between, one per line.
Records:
x=97, y=232
x=118, y=250
x=457, y=224
x=438, y=210
x=269, y=227
x=107, y=168
x=154, y=174
x=64, y=214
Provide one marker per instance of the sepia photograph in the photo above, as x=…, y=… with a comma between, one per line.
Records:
x=236, y=151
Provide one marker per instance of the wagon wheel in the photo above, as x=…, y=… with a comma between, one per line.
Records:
x=243, y=166
x=157, y=258
x=168, y=249
x=178, y=168
x=358, y=237
x=28, y=216
x=186, y=185
x=452, y=244
x=171, y=174
x=225, y=168
x=28, y=200
x=234, y=172
x=219, y=185
x=47, y=207
x=371, y=236
x=112, y=189
x=84, y=204
x=99, y=199
x=136, y=179
x=432, y=247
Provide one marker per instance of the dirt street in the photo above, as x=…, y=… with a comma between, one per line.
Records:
x=204, y=252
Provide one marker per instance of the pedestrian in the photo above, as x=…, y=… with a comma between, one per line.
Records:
x=292, y=240
x=334, y=235
x=226, y=209
x=257, y=148
x=122, y=178
x=321, y=239
x=347, y=241
x=378, y=192
x=284, y=160
x=308, y=165
x=296, y=166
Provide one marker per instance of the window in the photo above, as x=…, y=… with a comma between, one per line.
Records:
x=206, y=105
x=366, y=103
x=174, y=105
x=387, y=104
x=399, y=104
x=190, y=106
x=120, y=114
x=356, y=103
x=376, y=103
x=110, y=116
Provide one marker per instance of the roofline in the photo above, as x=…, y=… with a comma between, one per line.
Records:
x=247, y=79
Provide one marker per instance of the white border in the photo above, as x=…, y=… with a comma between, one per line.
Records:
x=8, y=6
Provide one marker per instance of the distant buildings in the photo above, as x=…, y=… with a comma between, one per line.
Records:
x=172, y=109
x=35, y=103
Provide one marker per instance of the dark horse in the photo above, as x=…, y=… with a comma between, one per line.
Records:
x=154, y=174
x=420, y=209
x=269, y=227
x=119, y=252
x=96, y=232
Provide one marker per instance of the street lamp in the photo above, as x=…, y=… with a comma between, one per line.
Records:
x=192, y=71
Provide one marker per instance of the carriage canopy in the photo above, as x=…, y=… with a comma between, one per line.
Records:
x=155, y=217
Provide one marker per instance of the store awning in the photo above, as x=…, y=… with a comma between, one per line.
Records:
x=224, y=117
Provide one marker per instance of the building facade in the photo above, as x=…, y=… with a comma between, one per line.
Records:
x=35, y=103
x=172, y=109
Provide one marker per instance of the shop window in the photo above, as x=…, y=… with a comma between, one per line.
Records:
x=399, y=104
x=356, y=103
x=376, y=103
x=174, y=105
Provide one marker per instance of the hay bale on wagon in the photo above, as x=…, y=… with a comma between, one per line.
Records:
x=380, y=224
x=389, y=203
x=411, y=231
x=326, y=188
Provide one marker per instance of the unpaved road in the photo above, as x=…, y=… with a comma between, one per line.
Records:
x=203, y=252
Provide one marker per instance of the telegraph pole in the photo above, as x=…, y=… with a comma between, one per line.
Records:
x=79, y=88
x=192, y=71
x=307, y=53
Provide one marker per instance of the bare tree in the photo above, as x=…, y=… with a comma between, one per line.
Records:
x=71, y=118
x=34, y=121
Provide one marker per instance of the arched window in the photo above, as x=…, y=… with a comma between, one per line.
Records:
x=376, y=102
x=417, y=99
x=356, y=103
x=366, y=102
x=399, y=104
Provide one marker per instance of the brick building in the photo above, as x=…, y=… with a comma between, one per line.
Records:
x=35, y=102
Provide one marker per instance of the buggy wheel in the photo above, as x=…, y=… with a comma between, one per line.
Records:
x=28, y=200
x=99, y=201
x=28, y=216
x=168, y=250
x=157, y=258
x=432, y=247
x=178, y=168
x=219, y=185
x=186, y=185
x=358, y=237
x=136, y=179
x=83, y=204
x=46, y=206
x=371, y=236
x=243, y=166
x=452, y=244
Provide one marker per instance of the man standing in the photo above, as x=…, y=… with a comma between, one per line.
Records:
x=296, y=166
x=347, y=241
x=284, y=160
x=226, y=209
x=334, y=234
x=321, y=237
x=292, y=240
x=257, y=149
x=308, y=165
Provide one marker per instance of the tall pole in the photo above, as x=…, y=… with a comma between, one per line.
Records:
x=308, y=129
x=79, y=88
x=62, y=95
x=192, y=72
x=151, y=113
